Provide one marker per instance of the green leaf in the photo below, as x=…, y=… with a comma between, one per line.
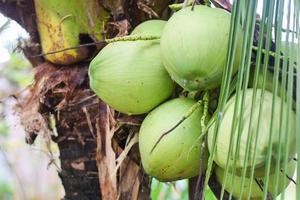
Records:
x=276, y=64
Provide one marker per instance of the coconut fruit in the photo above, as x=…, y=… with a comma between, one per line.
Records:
x=268, y=80
x=256, y=192
x=150, y=28
x=263, y=132
x=290, y=50
x=177, y=155
x=129, y=75
x=194, y=47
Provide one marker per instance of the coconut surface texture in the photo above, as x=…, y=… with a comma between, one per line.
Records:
x=263, y=132
x=256, y=192
x=194, y=47
x=150, y=28
x=177, y=156
x=130, y=77
x=268, y=80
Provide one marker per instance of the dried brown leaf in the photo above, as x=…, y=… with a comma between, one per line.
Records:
x=116, y=7
x=125, y=152
x=105, y=156
x=130, y=120
x=33, y=105
x=121, y=27
x=130, y=174
x=147, y=9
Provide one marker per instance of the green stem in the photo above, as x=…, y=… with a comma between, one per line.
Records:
x=178, y=6
x=132, y=38
x=271, y=53
x=205, y=112
x=207, y=2
x=199, y=188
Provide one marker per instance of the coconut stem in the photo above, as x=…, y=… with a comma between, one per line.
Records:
x=106, y=41
x=207, y=2
x=179, y=6
x=201, y=178
x=271, y=53
x=199, y=190
x=187, y=115
x=205, y=111
x=132, y=38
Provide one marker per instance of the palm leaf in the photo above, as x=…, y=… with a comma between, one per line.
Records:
x=270, y=46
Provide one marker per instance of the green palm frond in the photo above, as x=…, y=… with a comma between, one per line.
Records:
x=269, y=64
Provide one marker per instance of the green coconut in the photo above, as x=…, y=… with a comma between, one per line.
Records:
x=150, y=28
x=268, y=80
x=256, y=192
x=129, y=75
x=177, y=155
x=268, y=83
x=194, y=47
x=263, y=132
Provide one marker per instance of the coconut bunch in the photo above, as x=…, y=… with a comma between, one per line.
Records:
x=138, y=74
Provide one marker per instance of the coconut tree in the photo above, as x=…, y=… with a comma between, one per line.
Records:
x=97, y=131
x=85, y=125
